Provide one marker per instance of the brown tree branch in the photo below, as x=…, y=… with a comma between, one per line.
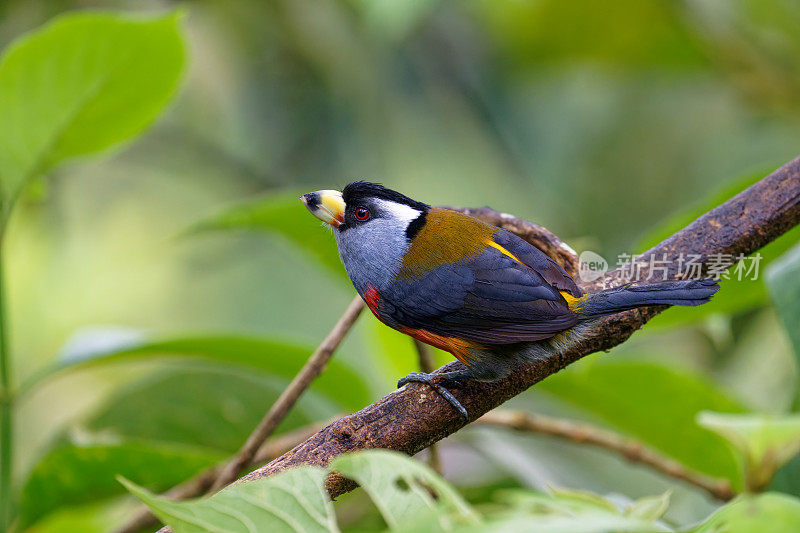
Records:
x=631, y=450
x=412, y=418
x=313, y=367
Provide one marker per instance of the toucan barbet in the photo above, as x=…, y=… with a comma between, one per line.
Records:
x=480, y=292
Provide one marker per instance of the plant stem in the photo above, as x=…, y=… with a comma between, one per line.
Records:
x=632, y=450
x=314, y=366
x=6, y=428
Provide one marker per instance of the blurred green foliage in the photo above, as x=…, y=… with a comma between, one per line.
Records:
x=653, y=402
x=267, y=356
x=280, y=216
x=76, y=475
x=611, y=124
x=785, y=291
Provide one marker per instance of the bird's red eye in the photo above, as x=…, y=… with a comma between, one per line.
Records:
x=362, y=213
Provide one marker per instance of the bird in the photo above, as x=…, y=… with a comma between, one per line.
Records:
x=480, y=292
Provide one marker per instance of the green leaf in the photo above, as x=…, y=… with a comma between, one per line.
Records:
x=406, y=492
x=650, y=507
x=654, y=403
x=783, y=281
x=72, y=475
x=755, y=514
x=734, y=295
x=787, y=479
x=557, y=501
x=196, y=407
x=270, y=357
x=290, y=501
x=97, y=517
x=587, y=522
x=573, y=511
x=283, y=215
x=764, y=442
x=571, y=502
x=80, y=84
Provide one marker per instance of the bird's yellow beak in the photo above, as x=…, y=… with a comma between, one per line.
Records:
x=327, y=206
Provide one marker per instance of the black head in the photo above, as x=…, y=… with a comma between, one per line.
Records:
x=360, y=191
x=363, y=203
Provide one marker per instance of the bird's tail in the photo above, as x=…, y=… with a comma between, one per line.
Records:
x=683, y=292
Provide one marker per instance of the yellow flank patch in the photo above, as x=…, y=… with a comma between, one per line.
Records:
x=504, y=251
x=446, y=237
x=572, y=302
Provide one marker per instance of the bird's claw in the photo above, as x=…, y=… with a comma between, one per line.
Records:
x=430, y=379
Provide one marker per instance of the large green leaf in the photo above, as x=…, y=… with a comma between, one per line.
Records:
x=734, y=295
x=406, y=492
x=755, y=514
x=72, y=475
x=80, y=84
x=270, y=357
x=765, y=443
x=282, y=215
x=291, y=501
x=96, y=517
x=196, y=407
x=787, y=479
x=656, y=404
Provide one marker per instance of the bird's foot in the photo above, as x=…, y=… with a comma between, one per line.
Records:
x=436, y=381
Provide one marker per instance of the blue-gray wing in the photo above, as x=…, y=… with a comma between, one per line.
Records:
x=539, y=261
x=491, y=299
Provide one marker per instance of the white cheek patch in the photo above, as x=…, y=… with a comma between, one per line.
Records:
x=401, y=212
x=373, y=252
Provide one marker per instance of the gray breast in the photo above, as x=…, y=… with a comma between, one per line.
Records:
x=373, y=252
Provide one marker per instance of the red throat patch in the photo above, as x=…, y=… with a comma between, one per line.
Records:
x=460, y=348
x=373, y=299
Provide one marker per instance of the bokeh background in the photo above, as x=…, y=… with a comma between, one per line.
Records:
x=599, y=120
